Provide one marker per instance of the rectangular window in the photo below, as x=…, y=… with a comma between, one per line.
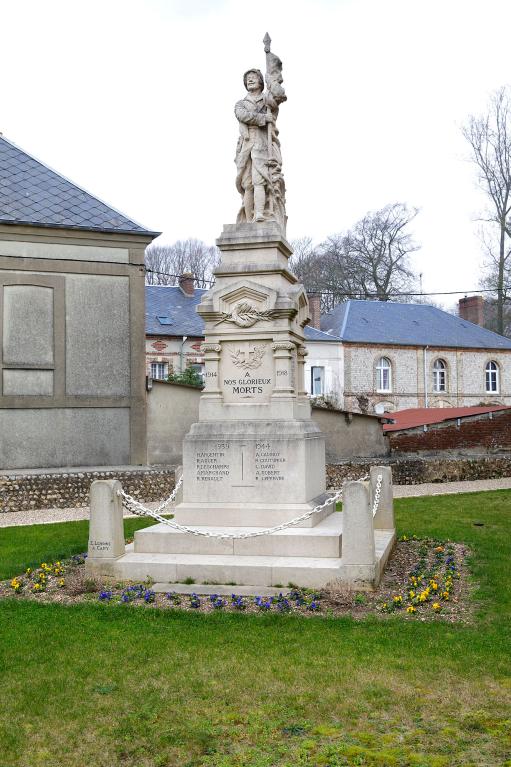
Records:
x=492, y=386
x=317, y=381
x=159, y=371
x=199, y=368
x=439, y=380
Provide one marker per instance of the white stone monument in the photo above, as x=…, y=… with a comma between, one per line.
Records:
x=255, y=459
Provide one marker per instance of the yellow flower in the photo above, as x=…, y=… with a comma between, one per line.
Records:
x=28, y=570
x=411, y=609
x=411, y=594
x=398, y=599
x=434, y=586
x=37, y=586
x=385, y=605
x=445, y=595
x=62, y=582
x=437, y=606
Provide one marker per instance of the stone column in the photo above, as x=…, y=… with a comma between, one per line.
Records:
x=358, y=549
x=283, y=366
x=301, y=389
x=106, y=528
x=384, y=517
x=211, y=375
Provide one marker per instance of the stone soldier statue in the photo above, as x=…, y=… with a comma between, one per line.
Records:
x=259, y=177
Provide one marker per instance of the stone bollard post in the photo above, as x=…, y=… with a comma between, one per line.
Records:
x=358, y=550
x=106, y=528
x=384, y=517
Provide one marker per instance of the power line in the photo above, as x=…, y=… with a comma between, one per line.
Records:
x=363, y=294
x=178, y=276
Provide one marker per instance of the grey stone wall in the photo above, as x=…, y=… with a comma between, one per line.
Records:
x=21, y=492
x=72, y=383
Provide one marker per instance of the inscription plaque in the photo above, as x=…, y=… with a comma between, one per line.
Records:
x=247, y=372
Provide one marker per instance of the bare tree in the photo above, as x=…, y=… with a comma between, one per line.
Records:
x=371, y=260
x=489, y=136
x=379, y=246
x=165, y=262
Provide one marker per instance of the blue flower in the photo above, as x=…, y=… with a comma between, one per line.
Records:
x=149, y=596
x=105, y=596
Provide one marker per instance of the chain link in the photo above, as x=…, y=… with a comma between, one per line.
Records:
x=377, y=493
x=131, y=504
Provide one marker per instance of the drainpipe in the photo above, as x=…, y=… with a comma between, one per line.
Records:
x=425, y=378
x=182, y=352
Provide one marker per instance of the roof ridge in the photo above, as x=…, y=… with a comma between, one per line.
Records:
x=73, y=183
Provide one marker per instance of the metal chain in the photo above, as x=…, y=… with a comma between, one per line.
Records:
x=377, y=493
x=137, y=508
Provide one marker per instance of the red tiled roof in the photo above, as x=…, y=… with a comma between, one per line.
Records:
x=420, y=416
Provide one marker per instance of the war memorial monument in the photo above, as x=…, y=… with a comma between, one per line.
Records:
x=255, y=461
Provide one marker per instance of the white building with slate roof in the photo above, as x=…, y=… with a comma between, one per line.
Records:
x=72, y=385
x=369, y=356
x=399, y=356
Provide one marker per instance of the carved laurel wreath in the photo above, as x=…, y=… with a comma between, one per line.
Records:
x=243, y=360
x=244, y=314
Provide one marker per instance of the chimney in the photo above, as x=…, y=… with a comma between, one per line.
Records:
x=471, y=308
x=315, y=310
x=186, y=283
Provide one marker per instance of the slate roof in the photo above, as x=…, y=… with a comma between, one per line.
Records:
x=386, y=322
x=413, y=417
x=169, y=312
x=33, y=194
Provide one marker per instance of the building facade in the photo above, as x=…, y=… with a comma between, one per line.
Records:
x=72, y=389
x=399, y=356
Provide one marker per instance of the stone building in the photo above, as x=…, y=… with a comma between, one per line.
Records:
x=399, y=356
x=72, y=387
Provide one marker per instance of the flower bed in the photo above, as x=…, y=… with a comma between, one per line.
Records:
x=424, y=579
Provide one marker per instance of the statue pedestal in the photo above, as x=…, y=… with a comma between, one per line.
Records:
x=255, y=459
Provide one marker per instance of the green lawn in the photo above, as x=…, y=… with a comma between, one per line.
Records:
x=108, y=686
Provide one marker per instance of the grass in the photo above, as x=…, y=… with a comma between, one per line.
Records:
x=100, y=685
x=29, y=545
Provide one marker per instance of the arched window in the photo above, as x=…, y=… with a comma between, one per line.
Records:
x=492, y=377
x=439, y=376
x=383, y=375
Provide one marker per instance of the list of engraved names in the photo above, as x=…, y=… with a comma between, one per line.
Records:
x=268, y=463
x=211, y=465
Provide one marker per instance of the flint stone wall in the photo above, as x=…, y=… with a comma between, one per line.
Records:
x=22, y=492
x=417, y=471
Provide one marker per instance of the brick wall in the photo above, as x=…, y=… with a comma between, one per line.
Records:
x=477, y=432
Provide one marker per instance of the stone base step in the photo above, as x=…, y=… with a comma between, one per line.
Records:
x=323, y=540
x=251, y=514
x=222, y=591
x=221, y=568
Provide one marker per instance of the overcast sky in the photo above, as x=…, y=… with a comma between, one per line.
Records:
x=134, y=101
